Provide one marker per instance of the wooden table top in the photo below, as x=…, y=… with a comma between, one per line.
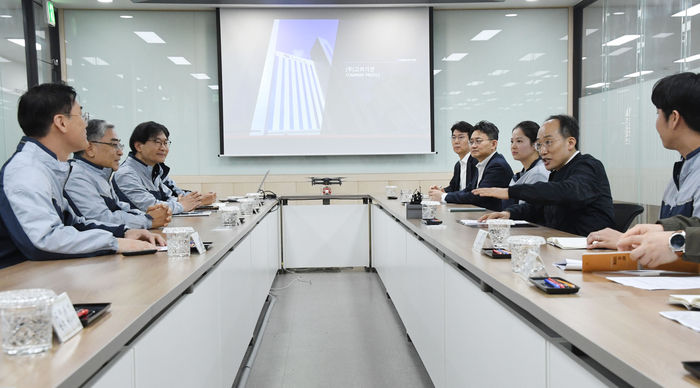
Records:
x=139, y=287
x=618, y=326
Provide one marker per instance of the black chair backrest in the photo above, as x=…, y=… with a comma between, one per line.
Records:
x=624, y=214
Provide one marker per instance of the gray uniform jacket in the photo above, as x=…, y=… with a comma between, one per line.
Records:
x=536, y=173
x=36, y=222
x=141, y=185
x=91, y=196
x=684, y=189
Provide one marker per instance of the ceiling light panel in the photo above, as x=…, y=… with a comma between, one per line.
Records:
x=486, y=35
x=179, y=60
x=620, y=51
x=692, y=11
x=455, y=57
x=150, y=37
x=199, y=76
x=621, y=40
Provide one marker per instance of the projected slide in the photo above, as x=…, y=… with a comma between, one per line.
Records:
x=325, y=81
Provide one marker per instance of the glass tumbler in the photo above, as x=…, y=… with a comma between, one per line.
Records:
x=391, y=192
x=499, y=231
x=405, y=196
x=178, y=242
x=229, y=215
x=520, y=246
x=255, y=197
x=247, y=206
x=26, y=321
x=429, y=209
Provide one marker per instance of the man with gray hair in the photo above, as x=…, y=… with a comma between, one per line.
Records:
x=88, y=190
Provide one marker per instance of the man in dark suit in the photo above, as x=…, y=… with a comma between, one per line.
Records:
x=465, y=168
x=577, y=197
x=491, y=170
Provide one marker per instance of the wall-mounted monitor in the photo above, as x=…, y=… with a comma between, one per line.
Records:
x=339, y=81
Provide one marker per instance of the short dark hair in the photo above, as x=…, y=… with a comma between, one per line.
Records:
x=679, y=92
x=488, y=128
x=146, y=131
x=38, y=106
x=568, y=126
x=462, y=126
x=95, y=131
x=529, y=128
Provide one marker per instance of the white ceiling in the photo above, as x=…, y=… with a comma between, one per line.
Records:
x=127, y=4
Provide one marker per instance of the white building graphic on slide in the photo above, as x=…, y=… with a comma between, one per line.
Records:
x=291, y=96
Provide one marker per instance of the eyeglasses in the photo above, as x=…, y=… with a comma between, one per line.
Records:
x=477, y=141
x=460, y=138
x=546, y=144
x=117, y=146
x=84, y=115
x=161, y=143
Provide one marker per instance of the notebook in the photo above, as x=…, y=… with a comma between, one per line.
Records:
x=689, y=301
x=568, y=242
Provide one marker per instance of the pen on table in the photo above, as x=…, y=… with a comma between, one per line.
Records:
x=570, y=285
x=551, y=283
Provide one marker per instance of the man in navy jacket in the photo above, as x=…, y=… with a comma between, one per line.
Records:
x=492, y=170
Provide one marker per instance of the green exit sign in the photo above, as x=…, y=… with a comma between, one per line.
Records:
x=50, y=14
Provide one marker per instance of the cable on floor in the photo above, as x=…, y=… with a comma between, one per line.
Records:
x=290, y=283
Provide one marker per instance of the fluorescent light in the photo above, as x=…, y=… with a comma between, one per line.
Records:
x=120, y=76
x=199, y=76
x=638, y=74
x=149, y=36
x=96, y=61
x=662, y=35
x=475, y=83
x=692, y=11
x=455, y=57
x=104, y=1
x=621, y=40
x=126, y=17
x=531, y=57
x=5, y=16
x=511, y=15
x=120, y=107
x=598, y=85
x=179, y=60
x=688, y=59
x=538, y=73
x=620, y=51
x=509, y=84
x=618, y=13
x=487, y=93
x=498, y=72
x=454, y=93
x=213, y=87
x=3, y=60
x=21, y=43
x=590, y=31
x=436, y=71
x=566, y=37
x=486, y=34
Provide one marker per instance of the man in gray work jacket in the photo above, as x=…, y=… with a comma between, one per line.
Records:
x=36, y=222
x=142, y=180
x=89, y=192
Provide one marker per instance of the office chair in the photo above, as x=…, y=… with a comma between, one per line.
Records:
x=624, y=214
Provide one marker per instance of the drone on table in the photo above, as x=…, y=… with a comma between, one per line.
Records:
x=326, y=182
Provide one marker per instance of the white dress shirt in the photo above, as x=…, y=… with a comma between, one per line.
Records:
x=463, y=172
x=481, y=166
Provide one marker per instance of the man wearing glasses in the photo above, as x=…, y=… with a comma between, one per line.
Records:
x=142, y=180
x=36, y=222
x=465, y=168
x=89, y=192
x=577, y=197
x=492, y=170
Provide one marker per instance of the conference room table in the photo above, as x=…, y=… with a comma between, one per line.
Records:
x=473, y=321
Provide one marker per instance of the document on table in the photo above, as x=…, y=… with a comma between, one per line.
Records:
x=659, y=283
x=689, y=319
x=568, y=242
x=569, y=265
x=485, y=225
x=193, y=214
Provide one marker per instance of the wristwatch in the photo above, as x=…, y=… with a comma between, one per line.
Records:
x=677, y=242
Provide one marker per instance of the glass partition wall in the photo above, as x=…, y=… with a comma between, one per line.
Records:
x=627, y=46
